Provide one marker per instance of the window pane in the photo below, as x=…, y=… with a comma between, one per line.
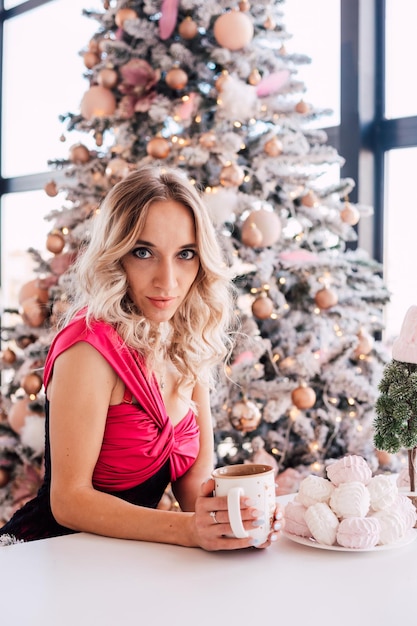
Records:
x=400, y=227
x=320, y=40
x=9, y=4
x=401, y=50
x=23, y=226
x=44, y=82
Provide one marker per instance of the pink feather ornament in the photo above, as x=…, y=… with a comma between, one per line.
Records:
x=168, y=19
x=272, y=84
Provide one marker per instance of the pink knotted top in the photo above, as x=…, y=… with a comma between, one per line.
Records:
x=138, y=439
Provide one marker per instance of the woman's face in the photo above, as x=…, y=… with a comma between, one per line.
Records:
x=164, y=263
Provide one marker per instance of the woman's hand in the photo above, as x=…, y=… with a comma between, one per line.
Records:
x=211, y=523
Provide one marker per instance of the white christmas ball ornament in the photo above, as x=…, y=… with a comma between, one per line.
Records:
x=233, y=30
x=266, y=222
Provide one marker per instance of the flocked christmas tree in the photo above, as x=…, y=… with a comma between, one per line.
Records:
x=211, y=87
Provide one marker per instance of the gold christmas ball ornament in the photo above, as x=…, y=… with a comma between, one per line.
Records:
x=245, y=416
x=244, y=6
x=98, y=101
x=51, y=189
x=251, y=236
x=33, y=289
x=124, y=14
x=176, y=78
x=269, y=23
x=107, y=77
x=207, y=140
x=91, y=59
x=18, y=413
x=254, y=77
x=55, y=242
x=262, y=307
x=158, y=148
x=326, y=298
x=267, y=223
x=220, y=81
x=365, y=344
x=33, y=312
x=188, y=29
x=93, y=46
x=302, y=107
x=309, y=199
x=117, y=167
x=273, y=147
x=233, y=30
x=303, y=397
x=23, y=341
x=98, y=138
x=9, y=356
x=4, y=477
x=31, y=384
x=350, y=214
x=79, y=154
x=232, y=175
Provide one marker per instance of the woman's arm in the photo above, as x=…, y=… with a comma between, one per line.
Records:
x=187, y=487
x=80, y=392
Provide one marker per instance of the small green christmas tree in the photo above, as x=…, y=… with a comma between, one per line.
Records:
x=396, y=407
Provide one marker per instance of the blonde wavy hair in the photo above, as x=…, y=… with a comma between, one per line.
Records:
x=198, y=337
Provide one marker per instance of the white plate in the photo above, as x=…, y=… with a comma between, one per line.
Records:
x=312, y=543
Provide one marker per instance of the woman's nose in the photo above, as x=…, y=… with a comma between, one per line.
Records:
x=165, y=277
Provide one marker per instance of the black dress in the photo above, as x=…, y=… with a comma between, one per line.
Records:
x=36, y=521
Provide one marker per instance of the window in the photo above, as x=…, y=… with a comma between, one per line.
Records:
x=322, y=44
x=37, y=87
x=400, y=52
x=396, y=151
x=400, y=235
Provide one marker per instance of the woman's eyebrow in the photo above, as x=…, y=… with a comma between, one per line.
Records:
x=149, y=244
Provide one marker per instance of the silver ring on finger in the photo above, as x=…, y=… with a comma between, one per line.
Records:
x=213, y=516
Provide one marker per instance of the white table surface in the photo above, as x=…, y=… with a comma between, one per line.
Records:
x=87, y=580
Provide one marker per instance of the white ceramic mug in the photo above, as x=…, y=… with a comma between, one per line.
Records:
x=253, y=481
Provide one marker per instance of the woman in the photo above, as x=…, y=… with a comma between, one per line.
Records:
x=127, y=378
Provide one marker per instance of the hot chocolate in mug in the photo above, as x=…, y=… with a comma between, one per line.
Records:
x=253, y=481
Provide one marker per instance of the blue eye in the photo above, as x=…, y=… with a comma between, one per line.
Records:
x=187, y=254
x=141, y=253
